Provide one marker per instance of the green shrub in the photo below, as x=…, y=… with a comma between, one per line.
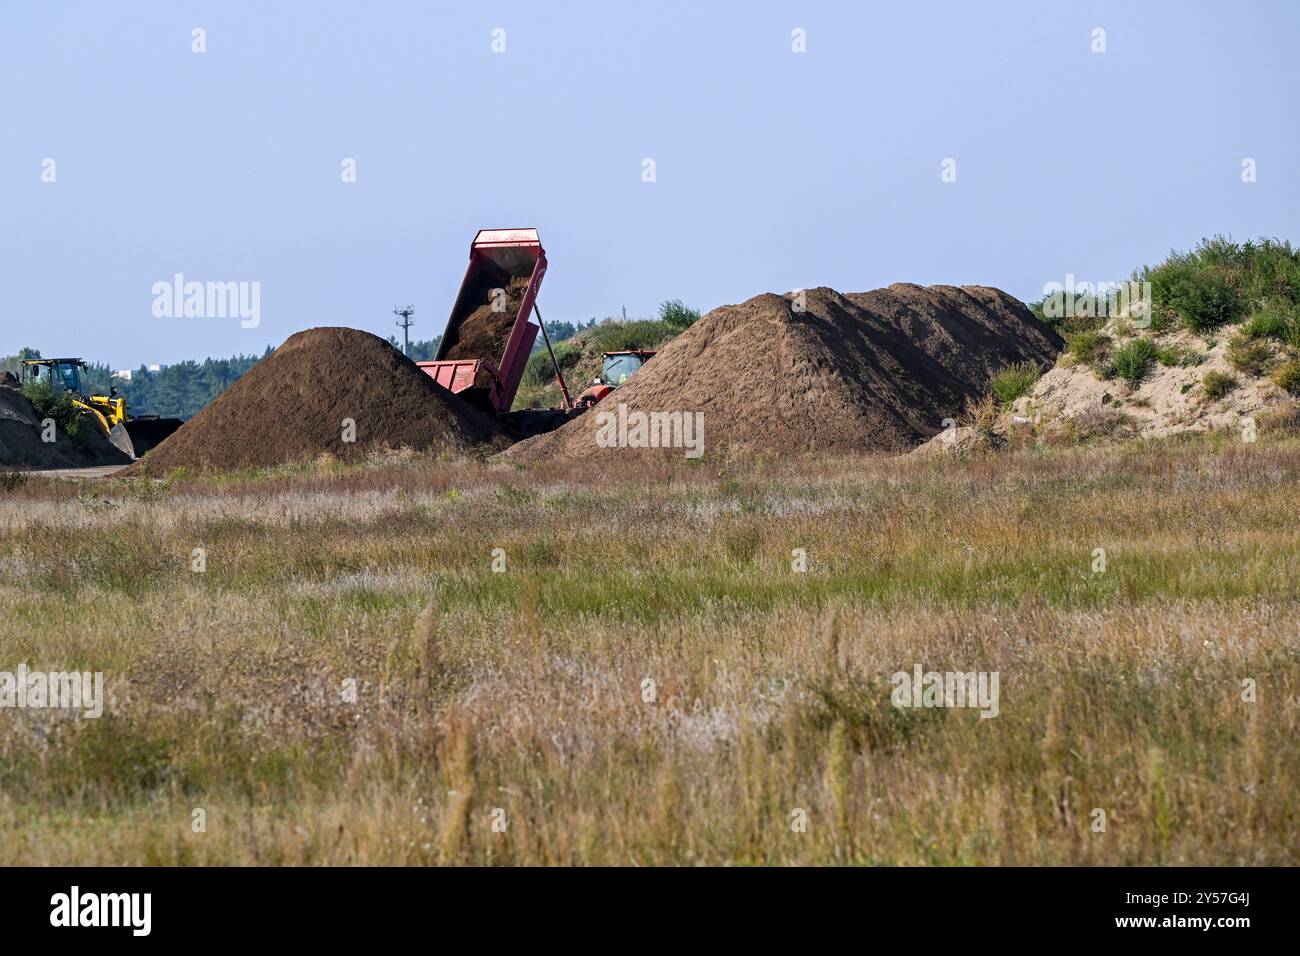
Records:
x=1218, y=384
x=1170, y=356
x=50, y=402
x=677, y=316
x=1216, y=283
x=1089, y=347
x=1013, y=381
x=1271, y=322
x=540, y=372
x=1272, y=269
x=1133, y=359
x=1288, y=377
x=1247, y=355
x=1051, y=321
x=1292, y=337
x=1205, y=301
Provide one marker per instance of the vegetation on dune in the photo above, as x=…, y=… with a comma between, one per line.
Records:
x=1013, y=381
x=1090, y=347
x=1249, y=356
x=1287, y=377
x=55, y=404
x=649, y=678
x=1220, y=282
x=1133, y=360
x=1217, y=283
x=1217, y=384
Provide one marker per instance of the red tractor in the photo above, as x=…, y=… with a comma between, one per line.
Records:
x=618, y=367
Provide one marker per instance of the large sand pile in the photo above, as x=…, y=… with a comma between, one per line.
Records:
x=860, y=372
x=292, y=406
x=21, y=445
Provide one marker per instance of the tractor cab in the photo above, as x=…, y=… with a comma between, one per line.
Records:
x=616, y=369
x=619, y=366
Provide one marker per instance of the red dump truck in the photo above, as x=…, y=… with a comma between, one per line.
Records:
x=496, y=257
x=500, y=259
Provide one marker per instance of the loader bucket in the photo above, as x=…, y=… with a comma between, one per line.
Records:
x=121, y=440
x=147, y=433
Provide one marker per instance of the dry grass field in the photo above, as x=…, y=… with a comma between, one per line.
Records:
x=647, y=679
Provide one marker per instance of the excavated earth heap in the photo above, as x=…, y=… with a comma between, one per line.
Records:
x=295, y=404
x=872, y=371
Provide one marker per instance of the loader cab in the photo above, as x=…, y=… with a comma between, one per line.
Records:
x=62, y=374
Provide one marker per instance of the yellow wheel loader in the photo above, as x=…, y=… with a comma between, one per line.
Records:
x=134, y=436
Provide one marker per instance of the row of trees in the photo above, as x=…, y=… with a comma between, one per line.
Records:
x=183, y=389
x=176, y=391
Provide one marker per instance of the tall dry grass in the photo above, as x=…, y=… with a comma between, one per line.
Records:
x=649, y=681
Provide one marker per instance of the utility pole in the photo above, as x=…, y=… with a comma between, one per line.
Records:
x=405, y=326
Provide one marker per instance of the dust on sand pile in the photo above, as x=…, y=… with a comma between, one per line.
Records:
x=21, y=445
x=859, y=372
x=483, y=333
x=292, y=405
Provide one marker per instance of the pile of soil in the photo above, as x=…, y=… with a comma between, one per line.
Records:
x=483, y=333
x=874, y=371
x=21, y=445
x=292, y=405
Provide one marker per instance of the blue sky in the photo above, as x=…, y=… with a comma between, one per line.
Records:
x=774, y=169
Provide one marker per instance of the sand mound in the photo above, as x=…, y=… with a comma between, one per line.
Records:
x=1170, y=398
x=21, y=445
x=292, y=405
x=861, y=372
x=1081, y=401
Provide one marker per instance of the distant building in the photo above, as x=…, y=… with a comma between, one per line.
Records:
x=124, y=374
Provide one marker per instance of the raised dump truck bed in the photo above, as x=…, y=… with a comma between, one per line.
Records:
x=496, y=257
